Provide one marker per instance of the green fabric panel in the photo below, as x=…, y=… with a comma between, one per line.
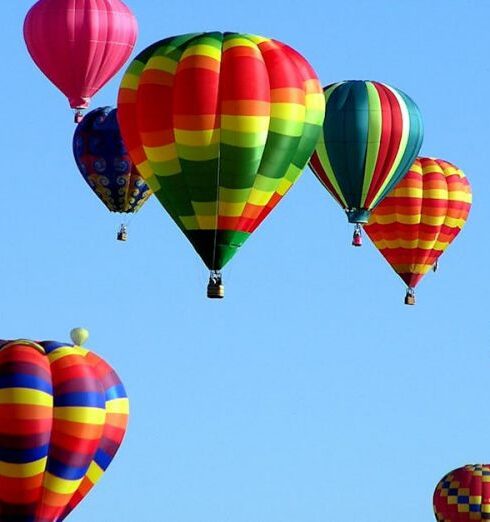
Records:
x=239, y=165
x=346, y=135
x=173, y=189
x=306, y=144
x=200, y=179
x=375, y=126
x=227, y=244
x=278, y=155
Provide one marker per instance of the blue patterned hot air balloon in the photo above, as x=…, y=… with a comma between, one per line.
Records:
x=104, y=163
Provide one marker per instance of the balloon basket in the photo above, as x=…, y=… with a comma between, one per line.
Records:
x=357, y=237
x=410, y=297
x=122, y=234
x=78, y=116
x=216, y=289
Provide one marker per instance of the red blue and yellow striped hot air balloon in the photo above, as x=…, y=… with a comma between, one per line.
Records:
x=63, y=415
x=415, y=224
x=220, y=126
x=372, y=133
x=463, y=495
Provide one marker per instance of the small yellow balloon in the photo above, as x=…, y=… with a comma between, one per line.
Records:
x=79, y=336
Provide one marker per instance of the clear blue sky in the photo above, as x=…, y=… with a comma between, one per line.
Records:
x=311, y=393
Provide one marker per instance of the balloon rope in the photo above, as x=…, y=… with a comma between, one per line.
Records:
x=217, y=207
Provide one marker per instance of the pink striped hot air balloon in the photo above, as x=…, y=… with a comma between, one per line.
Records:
x=80, y=44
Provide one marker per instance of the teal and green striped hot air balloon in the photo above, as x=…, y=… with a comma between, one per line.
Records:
x=220, y=125
x=372, y=134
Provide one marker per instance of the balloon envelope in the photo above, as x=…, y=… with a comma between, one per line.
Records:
x=415, y=224
x=220, y=126
x=63, y=415
x=80, y=44
x=372, y=133
x=104, y=163
x=463, y=495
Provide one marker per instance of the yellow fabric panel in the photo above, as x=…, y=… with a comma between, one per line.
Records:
x=239, y=41
x=415, y=243
x=94, y=472
x=60, y=485
x=117, y=406
x=436, y=193
x=459, y=195
x=163, y=153
x=259, y=197
x=407, y=192
x=415, y=269
x=61, y=352
x=30, y=469
x=231, y=209
x=25, y=396
x=80, y=414
x=288, y=111
x=245, y=123
x=197, y=138
x=159, y=63
x=202, y=49
x=284, y=186
x=25, y=342
x=130, y=81
x=257, y=39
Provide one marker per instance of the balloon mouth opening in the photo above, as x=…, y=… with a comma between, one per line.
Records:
x=358, y=216
x=80, y=103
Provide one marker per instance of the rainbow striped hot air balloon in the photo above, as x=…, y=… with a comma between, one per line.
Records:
x=63, y=415
x=415, y=224
x=463, y=495
x=220, y=126
x=372, y=133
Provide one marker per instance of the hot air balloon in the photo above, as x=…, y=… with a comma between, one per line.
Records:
x=372, y=133
x=415, y=224
x=63, y=415
x=105, y=165
x=220, y=126
x=463, y=495
x=80, y=44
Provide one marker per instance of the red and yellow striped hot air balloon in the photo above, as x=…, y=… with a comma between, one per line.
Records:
x=416, y=222
x=63, y=415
